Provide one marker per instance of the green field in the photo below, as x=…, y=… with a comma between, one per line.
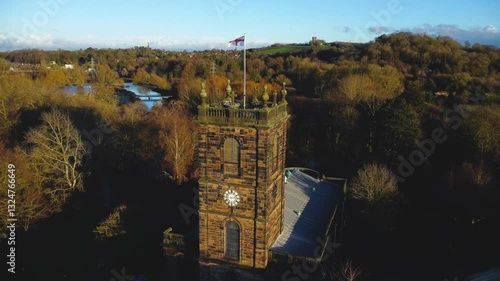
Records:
x=289, y=49
x=283, y=49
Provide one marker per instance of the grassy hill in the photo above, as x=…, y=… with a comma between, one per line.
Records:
x=291, y=48
x=329, y=52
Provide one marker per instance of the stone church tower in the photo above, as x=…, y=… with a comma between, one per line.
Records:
x=241, y=186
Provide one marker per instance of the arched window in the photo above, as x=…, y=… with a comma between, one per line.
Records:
x=232, y=249
x=231, y=157
x=231, y=151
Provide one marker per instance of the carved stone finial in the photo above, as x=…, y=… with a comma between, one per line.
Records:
x=255, y=100
x=228, y=87
x=265, y=96
x=283, y=94
x=203, y=95
x=233, y=95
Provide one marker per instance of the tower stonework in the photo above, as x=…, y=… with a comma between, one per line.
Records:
x=241, y=187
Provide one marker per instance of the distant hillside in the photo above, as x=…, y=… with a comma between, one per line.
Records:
x=328, y=52
x=288, y=48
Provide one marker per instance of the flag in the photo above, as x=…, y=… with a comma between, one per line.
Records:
x=240, y=41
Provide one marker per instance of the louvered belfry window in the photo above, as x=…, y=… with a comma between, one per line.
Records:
x=232, y=240
x=231, y=152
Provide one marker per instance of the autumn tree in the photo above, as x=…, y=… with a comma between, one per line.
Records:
x=31, y=203
x=55, y=77
x=189, y=92
x=281, y=78
x=141, y=76
x=124, y=72
x=4, y=64
x=371, y=90
x=177, y=134
x=354, y=86
x=158, y=81
x=483, y=124
x=56, y=152
x=255, y=67
x=77, y=76
x=385, y=83
x=215, y=86
x=112, y=226
x=188, y=71
x=16, y=91
x=106, y=76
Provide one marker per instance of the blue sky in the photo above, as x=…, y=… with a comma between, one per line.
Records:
x=206, y=24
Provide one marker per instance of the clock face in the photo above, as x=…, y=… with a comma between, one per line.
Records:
x=231, y=197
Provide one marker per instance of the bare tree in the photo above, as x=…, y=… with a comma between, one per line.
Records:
x=373, y=182
x=56, y=154
x=349, y=272
x=341, y=272
x=178, y=139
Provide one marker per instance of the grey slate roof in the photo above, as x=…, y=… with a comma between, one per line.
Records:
x=488, y=275
x=309, y=207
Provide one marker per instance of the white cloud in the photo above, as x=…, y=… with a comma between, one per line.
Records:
x=487, y=35
x=44, y=41
x=490, y=29
x=380, y=29
x=10, y=42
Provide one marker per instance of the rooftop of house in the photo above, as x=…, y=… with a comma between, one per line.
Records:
x=310, y=205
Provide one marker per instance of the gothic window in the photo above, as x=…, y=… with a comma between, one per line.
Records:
x=231, y=156
x=232, y=240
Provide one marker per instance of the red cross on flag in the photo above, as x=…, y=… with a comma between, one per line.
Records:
x=240, y=41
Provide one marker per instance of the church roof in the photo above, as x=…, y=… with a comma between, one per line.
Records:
x=309, y=209
x=489, y=275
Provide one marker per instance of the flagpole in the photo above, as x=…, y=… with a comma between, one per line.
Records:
x=244, y=70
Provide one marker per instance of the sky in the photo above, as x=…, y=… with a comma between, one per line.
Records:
x=207, y=24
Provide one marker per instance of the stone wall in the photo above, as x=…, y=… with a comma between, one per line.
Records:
x=259, y=184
